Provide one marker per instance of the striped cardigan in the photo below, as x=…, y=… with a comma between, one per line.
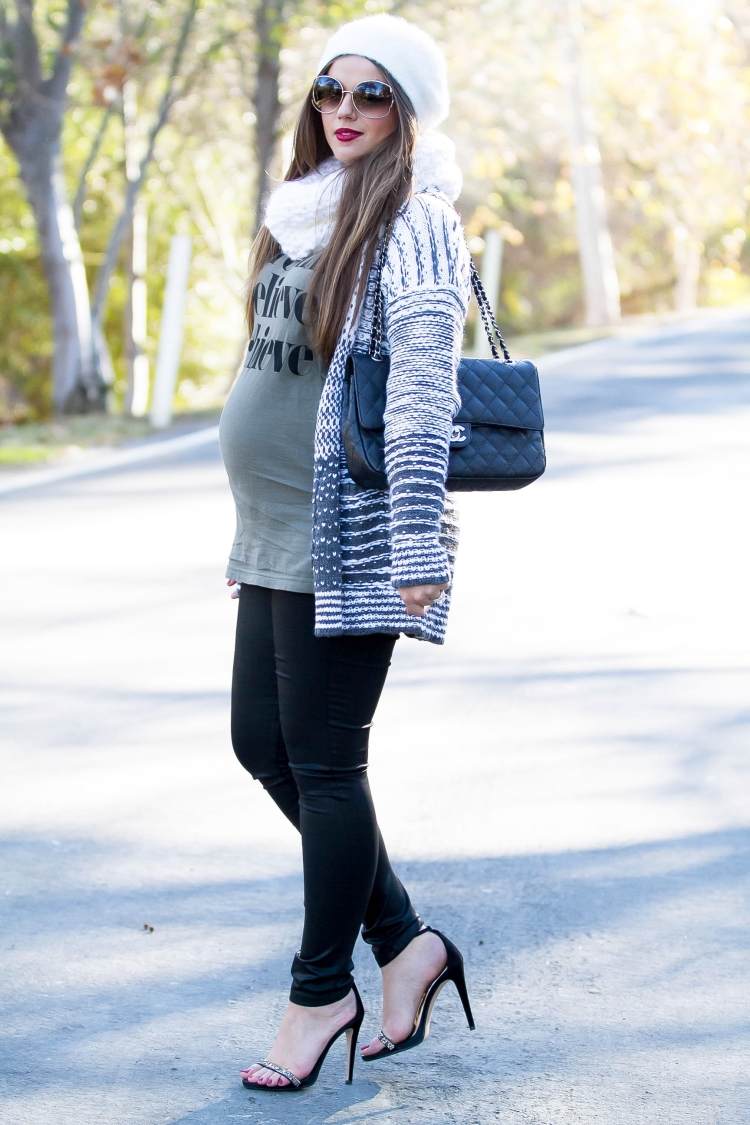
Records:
x=366, y=543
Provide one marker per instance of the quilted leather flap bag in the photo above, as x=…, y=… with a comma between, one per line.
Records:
x=497, y=439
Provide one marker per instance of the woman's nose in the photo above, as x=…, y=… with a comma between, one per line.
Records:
x=347, y=107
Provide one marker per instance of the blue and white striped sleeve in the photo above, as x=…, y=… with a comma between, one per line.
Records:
x=426, y=290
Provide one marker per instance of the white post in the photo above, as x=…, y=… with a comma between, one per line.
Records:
x=139, y=310
x=170, y=334
x=492, y=261
x=687, y=259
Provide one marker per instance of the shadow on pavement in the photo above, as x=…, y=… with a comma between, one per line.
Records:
x=560, y=954
x=630, y=380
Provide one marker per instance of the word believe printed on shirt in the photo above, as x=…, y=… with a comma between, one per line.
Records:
x=280, y=341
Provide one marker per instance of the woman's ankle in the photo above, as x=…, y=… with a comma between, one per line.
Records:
x=325, y=1007
x=385, y=952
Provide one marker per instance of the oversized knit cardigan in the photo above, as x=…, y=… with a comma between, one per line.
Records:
x=367, y=543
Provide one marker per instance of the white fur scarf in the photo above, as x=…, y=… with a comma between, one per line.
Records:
x=300, y=214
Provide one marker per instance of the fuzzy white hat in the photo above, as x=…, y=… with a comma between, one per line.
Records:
x=409, y=53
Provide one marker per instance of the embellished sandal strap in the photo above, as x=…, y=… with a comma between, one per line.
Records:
x=283, y=1071
x=385, y=1040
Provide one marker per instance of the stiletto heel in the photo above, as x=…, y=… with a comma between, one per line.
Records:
x=453, y=971
x=351, y=1046
x=294, y=1081
x=459, y=980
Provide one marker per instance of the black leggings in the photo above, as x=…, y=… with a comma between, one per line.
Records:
x=301, y=712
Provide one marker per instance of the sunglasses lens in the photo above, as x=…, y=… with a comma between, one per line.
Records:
x=326, y=93
x=373, y=98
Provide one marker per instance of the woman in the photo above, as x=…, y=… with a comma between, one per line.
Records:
x=329, y=574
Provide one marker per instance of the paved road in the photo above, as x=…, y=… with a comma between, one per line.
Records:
x=563, y=785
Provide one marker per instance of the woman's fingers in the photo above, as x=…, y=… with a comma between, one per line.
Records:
x=417, y=599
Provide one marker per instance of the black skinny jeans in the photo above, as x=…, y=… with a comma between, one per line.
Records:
x=301, y=712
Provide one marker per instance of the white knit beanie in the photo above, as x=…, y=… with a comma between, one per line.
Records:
x=409, y=53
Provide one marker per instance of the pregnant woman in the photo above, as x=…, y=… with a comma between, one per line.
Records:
x=329, y=574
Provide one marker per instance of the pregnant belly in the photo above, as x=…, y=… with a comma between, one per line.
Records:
x=265, y=434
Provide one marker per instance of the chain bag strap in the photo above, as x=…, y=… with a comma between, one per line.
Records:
x=497, y=438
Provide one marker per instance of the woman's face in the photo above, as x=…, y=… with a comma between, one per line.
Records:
x=349, y=70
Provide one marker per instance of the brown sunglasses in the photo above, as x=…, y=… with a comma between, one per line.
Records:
x=371, y=99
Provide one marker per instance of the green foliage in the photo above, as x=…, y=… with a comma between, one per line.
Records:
x=670, y=121
x=25, y=341
x=25, y=344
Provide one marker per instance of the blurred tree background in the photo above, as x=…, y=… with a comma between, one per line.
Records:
x=607, y=142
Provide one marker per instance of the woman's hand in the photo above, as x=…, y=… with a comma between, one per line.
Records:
x=234, y=582
x=418, y=598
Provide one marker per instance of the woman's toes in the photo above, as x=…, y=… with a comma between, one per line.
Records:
x=261, y=1076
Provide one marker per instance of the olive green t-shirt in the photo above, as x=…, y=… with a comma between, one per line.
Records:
x=266, y=432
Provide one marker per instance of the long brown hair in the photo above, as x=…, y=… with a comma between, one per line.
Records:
x=373, y=188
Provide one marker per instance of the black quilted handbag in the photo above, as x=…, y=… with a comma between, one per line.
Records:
x=497, y=442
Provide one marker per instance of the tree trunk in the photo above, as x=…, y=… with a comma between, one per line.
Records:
x=34, y=108
x=600, y=283
x=136, y=249
x=267, y=106
x=136, y=180
x=77, y=386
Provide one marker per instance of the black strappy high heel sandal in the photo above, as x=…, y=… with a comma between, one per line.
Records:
x=454, y=971
x=295, y=1083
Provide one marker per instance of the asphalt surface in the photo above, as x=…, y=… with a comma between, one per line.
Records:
x=563, y=786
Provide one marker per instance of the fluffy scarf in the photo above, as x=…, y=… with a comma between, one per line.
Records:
x=301, y=213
